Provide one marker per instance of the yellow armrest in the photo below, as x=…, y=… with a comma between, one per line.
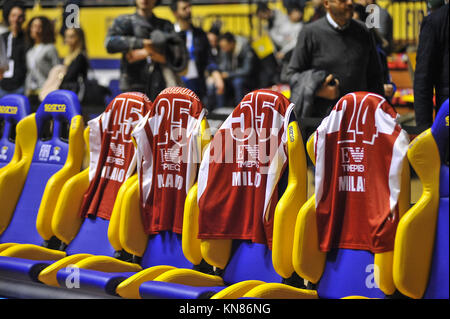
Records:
x=237, y=290
x=308, y=260
x=107, y=264
x=191, y=278
x=6, y=246
x=414, y=240
x=66, y=219
x=12, y=180
x=118, y=210
x=13, y=175
x=190, y=243
x=48, y=275
x=33, y=252
x=289, y=204
x=55, y=184
x=129, y=288
x=281, y=291
x=132, y=236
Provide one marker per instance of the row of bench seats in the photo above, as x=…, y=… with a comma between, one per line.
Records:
x=42, y=232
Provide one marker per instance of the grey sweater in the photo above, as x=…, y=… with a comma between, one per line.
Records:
x=348, y=54
x=41, y=59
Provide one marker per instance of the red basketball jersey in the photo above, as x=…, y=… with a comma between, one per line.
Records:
x=112, y=153
x=360, y=150
x=168, y=154
x=238, y=176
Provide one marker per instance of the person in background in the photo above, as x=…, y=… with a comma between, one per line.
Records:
x=213, y=38
x=432, y=66
x=214, y=83
x=13, y=80
x=236, y=64
x=152, y=53
x=76, y=62
x=360, y=14
x=334, y=55
x=41, y=57
x=197, y=44
x=319, y=10
x=3, y=60
x=385, y=28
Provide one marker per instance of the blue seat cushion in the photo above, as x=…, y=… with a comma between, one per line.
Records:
x=22, y=269
x=250, y=261
x=92, y=238
x=91, y=280
x=349, y=272
x=164, y=248
x=165, y=290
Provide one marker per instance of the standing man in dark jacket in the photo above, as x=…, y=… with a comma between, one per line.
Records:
x=197, y=44
x=13, y=80
x=431, y=66
x=152, y=52
x=334, y=55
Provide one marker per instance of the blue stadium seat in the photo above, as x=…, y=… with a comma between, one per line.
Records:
x=85, y=235
x=52, y=150
x=343, y=272
x=421, y=255
x=13, y=108
x=242, y=264
x=158, y=252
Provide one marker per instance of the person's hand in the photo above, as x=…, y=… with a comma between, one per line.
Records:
x=279, y=55
x=388, y=90
x=136, y=55
x=327, y=90
x=220, y=86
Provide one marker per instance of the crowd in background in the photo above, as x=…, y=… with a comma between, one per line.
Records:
x=222, y=67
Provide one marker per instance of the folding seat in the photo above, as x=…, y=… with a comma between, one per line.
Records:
x=421, y=261
x=344, y=234
x=13, y=108
x=169, y=140
x=251, y=184
x=51, y=145
x=83, y=209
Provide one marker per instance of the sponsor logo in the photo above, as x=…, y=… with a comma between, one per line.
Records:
x=55, y=108
x=5, y=109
